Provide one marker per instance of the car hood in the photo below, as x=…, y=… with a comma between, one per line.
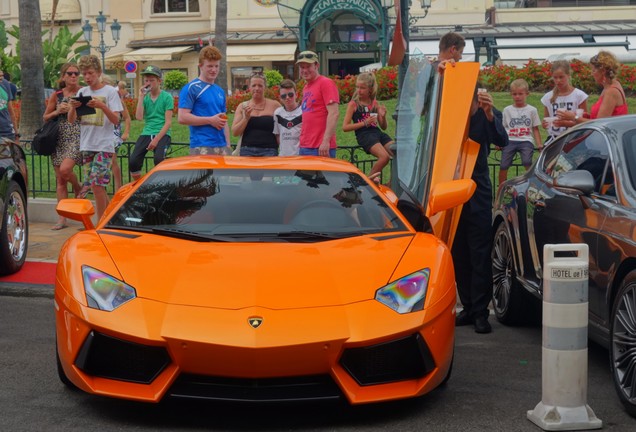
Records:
x=270, y=275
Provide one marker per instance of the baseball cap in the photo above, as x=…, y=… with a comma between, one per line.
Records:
x=151, y=70
x=307, y=57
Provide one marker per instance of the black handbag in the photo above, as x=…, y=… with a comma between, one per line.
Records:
x=45, y=138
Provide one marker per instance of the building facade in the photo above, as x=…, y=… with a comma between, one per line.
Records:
x=347, y=34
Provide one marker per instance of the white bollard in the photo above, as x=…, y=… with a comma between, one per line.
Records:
x=563, y=403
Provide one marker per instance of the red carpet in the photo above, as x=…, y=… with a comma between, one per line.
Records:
x=33, y=272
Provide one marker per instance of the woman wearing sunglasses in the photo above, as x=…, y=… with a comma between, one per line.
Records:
x=254, y=121
x=67, y=153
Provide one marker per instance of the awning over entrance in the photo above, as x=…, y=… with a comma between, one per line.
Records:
x=157, y=54
x=261, y=52
x=517, y=51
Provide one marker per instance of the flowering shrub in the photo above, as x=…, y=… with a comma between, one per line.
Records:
x=387, y=78
x=498, y=78
x=346, y=87
x=16, y=104
x=130, y=104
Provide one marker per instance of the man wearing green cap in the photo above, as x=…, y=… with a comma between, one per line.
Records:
x=155, y=108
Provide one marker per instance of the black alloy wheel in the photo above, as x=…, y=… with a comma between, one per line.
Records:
x=507, y=295
x=623, y=343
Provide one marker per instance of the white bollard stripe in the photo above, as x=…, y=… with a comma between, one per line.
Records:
x=565, y=316
x=565, y=339
x=565, y=293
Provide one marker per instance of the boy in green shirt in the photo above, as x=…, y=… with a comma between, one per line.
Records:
x=155, y=107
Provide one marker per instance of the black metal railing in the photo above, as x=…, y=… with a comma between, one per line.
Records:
x=42, y=175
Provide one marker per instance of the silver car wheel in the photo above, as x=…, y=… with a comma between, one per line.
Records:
x=16, y=225
x=623, y=343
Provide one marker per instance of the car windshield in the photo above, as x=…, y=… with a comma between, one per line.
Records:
x=256, y=204
x=417, y=117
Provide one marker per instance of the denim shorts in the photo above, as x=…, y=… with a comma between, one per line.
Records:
x=302, y=151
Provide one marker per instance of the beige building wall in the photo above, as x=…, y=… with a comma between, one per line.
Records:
x=139, y=22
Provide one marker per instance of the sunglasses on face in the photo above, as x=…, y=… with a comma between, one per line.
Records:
x=284, y=96
x=72, y=73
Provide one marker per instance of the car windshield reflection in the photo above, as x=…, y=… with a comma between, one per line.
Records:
x=256, y=205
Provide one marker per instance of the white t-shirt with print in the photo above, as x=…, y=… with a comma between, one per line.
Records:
x=288, y=125
x=569, y=103
x=96, y=131
x=519, y=122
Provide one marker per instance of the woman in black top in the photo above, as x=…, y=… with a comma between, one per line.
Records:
x=254, y=121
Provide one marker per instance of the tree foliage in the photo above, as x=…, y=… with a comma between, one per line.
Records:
x=56, y=51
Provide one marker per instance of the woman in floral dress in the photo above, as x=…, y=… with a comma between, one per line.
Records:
x=67, y=153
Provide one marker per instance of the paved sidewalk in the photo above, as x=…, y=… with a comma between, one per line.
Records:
x=45, y=244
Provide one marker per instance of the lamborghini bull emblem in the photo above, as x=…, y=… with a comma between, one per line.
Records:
x=255, y=321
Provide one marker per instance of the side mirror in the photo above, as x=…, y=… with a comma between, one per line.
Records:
x=581, y=181
x=450, y=194
x=80, y=210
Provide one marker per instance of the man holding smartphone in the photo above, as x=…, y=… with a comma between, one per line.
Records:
x=155, y=107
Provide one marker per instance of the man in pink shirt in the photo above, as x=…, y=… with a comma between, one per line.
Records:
x=320, y=109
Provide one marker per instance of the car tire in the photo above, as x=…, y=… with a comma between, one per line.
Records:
x=623, y=343
x=14, y=232
x=508, y=295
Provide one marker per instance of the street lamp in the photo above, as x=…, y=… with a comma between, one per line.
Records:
x=115, y=28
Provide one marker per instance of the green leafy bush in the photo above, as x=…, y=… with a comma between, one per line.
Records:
x=174, y=80
x=273, y=77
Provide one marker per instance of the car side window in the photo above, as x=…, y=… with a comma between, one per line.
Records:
x=583, y=150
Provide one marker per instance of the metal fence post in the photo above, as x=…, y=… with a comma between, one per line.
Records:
x=563, y=403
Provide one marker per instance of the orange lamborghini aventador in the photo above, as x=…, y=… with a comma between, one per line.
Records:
x=275, y=279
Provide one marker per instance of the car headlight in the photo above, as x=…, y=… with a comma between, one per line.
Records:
x=406, y=294
x=105, y=292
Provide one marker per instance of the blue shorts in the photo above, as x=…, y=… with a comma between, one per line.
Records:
x=302, y=151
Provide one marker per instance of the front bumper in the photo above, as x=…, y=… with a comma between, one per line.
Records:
x=365, y=352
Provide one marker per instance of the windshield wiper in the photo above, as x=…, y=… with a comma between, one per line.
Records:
x=314, y=235
x=175, y=233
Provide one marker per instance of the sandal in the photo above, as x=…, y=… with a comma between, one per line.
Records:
x=59, y=226
x=83, y=192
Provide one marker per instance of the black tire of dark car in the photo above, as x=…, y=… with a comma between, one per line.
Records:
x=508, y=296
x=12, y=253
x=623, y=343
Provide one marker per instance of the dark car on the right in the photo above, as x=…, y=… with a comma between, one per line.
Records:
x=581, y=189
x=14, y=226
